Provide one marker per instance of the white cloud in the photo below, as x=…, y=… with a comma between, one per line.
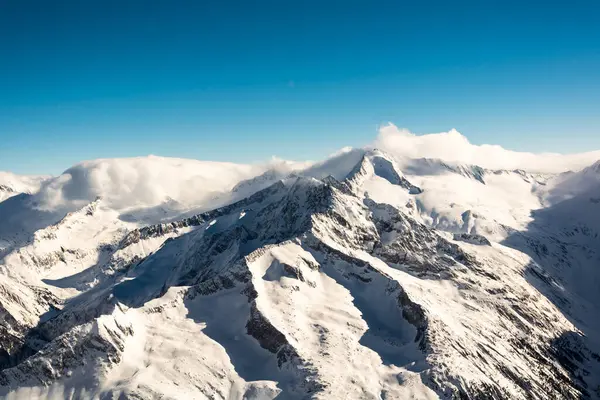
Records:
x=453, y=147
x=141, y=181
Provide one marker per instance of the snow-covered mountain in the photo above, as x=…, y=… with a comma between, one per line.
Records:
x=374, y=274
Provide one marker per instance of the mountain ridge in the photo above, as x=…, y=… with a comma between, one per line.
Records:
x=315, y=272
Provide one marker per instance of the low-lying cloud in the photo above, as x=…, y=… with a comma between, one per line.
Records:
x=453, y=147
x=141, y=181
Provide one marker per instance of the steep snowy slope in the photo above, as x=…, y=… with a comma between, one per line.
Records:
x=344, y=280
x=571, y=184
x=564, y=242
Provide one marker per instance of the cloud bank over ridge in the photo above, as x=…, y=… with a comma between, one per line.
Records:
x=453, y=147
x=149, y=181
x=141, y=181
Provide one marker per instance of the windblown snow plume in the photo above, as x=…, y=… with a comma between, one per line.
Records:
x=453, y=147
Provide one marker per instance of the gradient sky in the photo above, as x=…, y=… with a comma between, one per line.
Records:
x=242, y=81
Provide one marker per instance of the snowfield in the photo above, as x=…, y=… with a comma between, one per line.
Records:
x=425, y=268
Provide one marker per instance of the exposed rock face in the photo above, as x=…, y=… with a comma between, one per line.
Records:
x=472, y=239
x=6, y=189
x=196, y=220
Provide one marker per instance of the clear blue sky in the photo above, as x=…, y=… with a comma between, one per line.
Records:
x=242, y=81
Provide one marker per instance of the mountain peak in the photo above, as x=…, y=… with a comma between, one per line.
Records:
x=377, y=163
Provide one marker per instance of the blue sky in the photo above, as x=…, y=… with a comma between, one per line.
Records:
x=241, y=81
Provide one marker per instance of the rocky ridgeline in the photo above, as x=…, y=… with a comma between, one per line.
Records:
x=162, y=229
x=472, y=238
